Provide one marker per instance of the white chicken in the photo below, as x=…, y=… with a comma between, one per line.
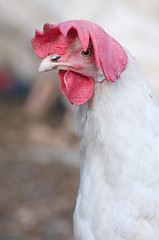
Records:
x=118, y=119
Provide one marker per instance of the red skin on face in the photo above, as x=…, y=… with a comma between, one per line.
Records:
x=108, y=55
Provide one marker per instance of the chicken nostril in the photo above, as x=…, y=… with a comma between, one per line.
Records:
x=55, y=58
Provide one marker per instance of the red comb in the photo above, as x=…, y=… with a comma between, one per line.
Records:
x=108, y=52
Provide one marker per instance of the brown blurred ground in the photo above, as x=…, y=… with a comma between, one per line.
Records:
x=38, y=185
x=39, y=173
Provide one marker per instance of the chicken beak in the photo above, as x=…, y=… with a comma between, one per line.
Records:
x=48, y=64
x=51, y=63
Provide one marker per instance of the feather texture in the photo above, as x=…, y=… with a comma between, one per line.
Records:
x=118, y=197
x=118, y=120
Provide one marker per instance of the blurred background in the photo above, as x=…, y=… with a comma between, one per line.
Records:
x=39, y=172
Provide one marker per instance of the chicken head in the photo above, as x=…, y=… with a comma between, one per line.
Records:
x=83, y=53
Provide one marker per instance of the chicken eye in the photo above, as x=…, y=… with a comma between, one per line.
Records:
x=87, y=54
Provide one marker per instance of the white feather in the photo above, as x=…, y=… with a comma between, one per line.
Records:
x=118, y=196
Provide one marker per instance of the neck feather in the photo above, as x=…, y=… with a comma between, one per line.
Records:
x=113, y=122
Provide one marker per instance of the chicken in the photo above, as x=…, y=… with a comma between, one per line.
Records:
x=118, y=119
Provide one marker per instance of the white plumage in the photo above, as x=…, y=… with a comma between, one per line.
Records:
x=118, y=120
x=118, y=196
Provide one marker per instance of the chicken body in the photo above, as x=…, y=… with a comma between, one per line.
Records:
x=118, y=196
x=119, y=188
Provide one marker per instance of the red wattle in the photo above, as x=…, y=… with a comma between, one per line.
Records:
x=76, y=88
